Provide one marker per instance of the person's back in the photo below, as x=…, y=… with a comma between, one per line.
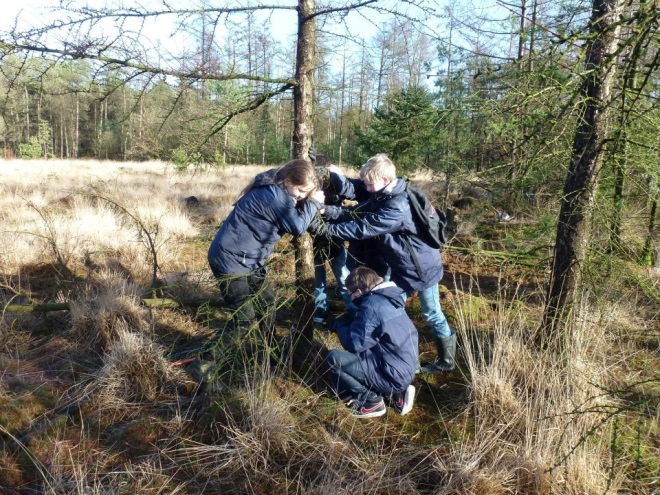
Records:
x=277, y=201
x=386, y=218
x=384, y=337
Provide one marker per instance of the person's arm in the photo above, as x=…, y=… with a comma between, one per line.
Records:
x=342, y=187
x=356, y=335
x=385, y=220
x=295, y=220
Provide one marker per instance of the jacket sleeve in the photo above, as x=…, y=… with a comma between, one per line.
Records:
x=295, y=220
x=358, y=334
x=344, y=187
x=386, y=220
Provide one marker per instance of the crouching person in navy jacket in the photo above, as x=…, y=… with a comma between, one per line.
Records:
x=381, y=348
x=278, y=201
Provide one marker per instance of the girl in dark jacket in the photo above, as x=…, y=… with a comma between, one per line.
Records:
x=276, y=202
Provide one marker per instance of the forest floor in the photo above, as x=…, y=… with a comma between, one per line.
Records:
x=92, y=403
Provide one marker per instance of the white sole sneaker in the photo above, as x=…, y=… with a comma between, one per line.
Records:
x=408, y=399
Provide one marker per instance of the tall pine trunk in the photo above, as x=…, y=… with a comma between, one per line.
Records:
x=302, y=140
x=573, y=234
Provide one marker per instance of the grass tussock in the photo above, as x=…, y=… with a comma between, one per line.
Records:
x=136, y=371
x=537, y=415
x=109, y=306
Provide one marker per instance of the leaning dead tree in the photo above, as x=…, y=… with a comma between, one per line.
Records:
x=573, y=229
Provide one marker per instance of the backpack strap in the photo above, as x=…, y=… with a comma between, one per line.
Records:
x=418, y=267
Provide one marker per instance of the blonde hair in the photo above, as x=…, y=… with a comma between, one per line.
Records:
x=378, y=167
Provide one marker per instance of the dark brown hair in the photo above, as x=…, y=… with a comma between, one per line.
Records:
x=322, y=161
x=362, y=278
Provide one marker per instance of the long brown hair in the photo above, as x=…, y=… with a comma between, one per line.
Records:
x=299, y=172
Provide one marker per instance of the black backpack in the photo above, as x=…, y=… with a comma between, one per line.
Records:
x=429, y=220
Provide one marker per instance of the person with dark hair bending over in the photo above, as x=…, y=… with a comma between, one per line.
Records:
x=277, y=201
x=336, y=188
x=381, y=348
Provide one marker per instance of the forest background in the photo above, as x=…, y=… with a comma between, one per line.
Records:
x=500, y=106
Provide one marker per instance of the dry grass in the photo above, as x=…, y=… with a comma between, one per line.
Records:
x=513, y=420
x=106, y=309
x=135, y=370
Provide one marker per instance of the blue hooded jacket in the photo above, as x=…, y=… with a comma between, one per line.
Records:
x=259, y=219
x=383, y=337
x=386, y=216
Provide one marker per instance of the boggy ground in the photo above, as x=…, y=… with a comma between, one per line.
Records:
x=90, y=401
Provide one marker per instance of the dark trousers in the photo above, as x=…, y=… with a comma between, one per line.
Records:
x=252, y=301
x=347, y=378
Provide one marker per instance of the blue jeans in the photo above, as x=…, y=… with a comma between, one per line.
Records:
x=339, y=270
x=347, y=378
x=433, y=315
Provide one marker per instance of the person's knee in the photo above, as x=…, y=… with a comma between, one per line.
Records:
x=332, y=359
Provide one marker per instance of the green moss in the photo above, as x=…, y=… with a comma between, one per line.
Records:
x=19, y=410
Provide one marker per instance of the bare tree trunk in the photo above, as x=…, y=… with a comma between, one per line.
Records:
x=381, y=73
x=521, y=33
x=302, y=140
x=650, y=254
x=76, y=143
x=66, y=142
x=532, y=37
x=27, y=115
x=61, y=138
x=620, y=153
x=226, y=145
x=573, y=233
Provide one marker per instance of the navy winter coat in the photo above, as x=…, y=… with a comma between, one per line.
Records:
x=258, y=220
x=386, y=216
x=383, y=337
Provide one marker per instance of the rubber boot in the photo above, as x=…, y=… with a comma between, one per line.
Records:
x=446, y=353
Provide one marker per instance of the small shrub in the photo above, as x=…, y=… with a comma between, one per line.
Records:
x=31, y=149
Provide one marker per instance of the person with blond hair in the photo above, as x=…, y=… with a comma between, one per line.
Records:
x=278, y=201
x=414, y=265
x=380, y=344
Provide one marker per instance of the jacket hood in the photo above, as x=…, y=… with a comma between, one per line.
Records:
x=398, y=187
x=266, y=178
x=389, y=290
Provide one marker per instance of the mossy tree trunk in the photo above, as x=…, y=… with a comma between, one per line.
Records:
x=649, y=254
x=573, y=234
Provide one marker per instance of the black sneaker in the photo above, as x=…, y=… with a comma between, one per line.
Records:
x=367, y=409
x=403, y=403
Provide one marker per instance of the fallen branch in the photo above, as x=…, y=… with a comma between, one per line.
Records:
x=157, y=303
